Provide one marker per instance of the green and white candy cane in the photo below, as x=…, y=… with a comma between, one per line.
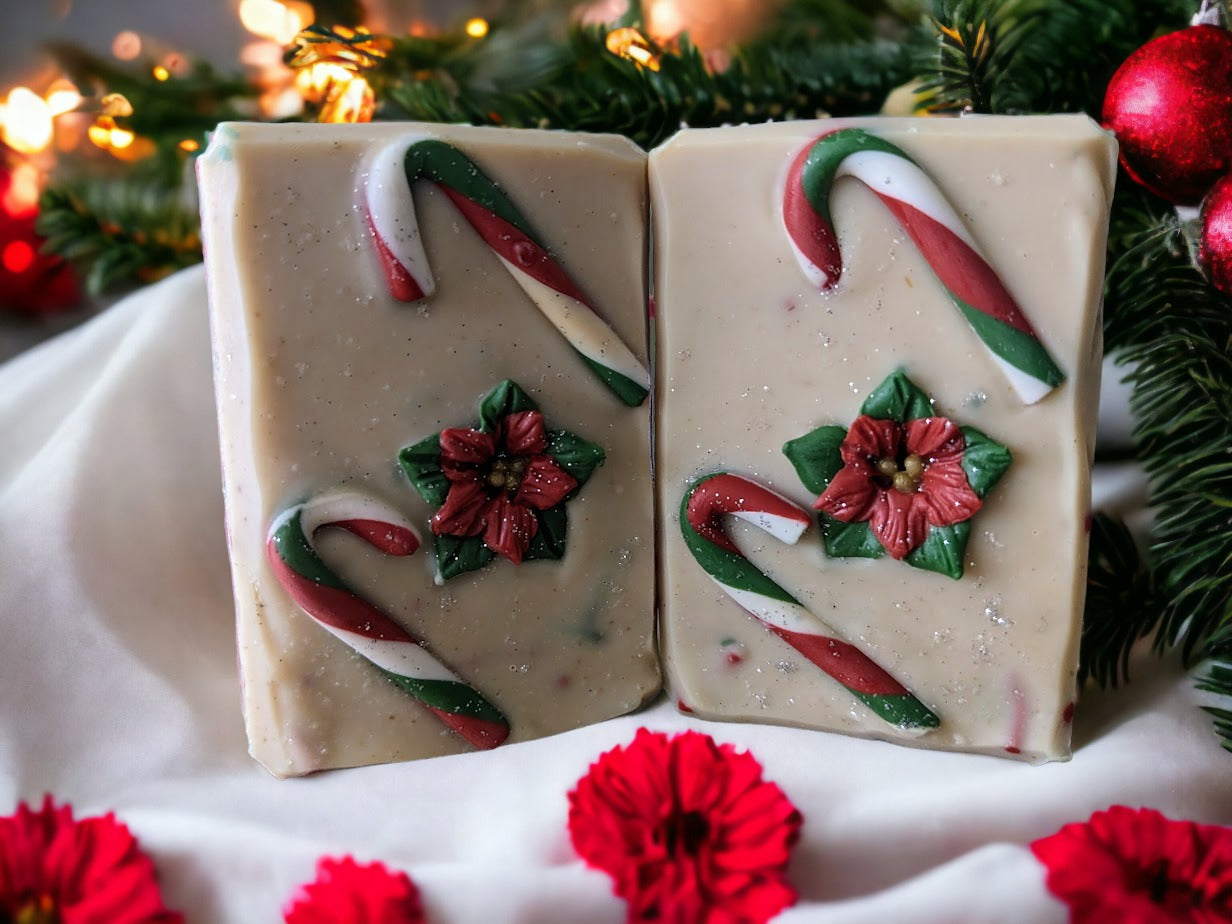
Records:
x=705, y=506
x=399, y=243
x=932, y=223
x=364, y=628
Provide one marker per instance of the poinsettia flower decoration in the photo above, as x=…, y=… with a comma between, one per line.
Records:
x=56, y=868
x=901, y=480
x=1136, y=866
x=347, y=892
x=500, y=488
x=687, y=829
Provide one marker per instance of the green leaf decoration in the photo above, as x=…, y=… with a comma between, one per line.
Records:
x=505, y=398
x=456, y=555
x=849, y=540
x=943, y=550
x=897, y=398
x=549, y=542
x=575, y=455
x=984, y=460
x=422, y=464
x=816, y=456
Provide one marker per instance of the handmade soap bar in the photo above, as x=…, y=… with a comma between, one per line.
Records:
x=878, y=348
x=431, y=377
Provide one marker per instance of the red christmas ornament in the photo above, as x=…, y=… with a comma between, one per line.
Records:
x=1215, y=247
x=1170, y=105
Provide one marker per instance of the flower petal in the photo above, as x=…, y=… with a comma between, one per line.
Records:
x=346, y=892
x=510, y=528
x=934, y=438
x=522, y=433
x=851, y=495
x=464, y=446
x=545, y=484
x=871, y=438
x=898, y=521
x=945, y=495
x=464, y=512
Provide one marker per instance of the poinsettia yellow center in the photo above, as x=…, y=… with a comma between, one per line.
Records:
x=904, y=477
x=506, y=474
x=39, y=910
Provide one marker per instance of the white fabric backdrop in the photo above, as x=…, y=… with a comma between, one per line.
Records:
x=118, y=691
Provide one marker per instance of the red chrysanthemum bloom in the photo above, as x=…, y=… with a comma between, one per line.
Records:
x=346, y=892
x=55, y=870
x=1134, y=866
x=687, y=829
x=901, y=478
x=497, y=481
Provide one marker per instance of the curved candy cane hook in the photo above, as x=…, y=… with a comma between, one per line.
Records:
x=932, y=223
x=365, y=629
x=391, y=216
x=705, y=505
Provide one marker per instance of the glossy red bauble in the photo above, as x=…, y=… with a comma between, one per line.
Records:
x=1170, y=105
x=1215, y=248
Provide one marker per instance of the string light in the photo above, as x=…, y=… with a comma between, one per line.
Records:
x=628, y=43
x=273, y=20
x=21, y=198
x=126, y=45
x=17, y=257
x=477, y=27
x=160, y=73
x=25, y=121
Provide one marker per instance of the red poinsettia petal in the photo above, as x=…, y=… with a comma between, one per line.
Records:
x=465, y=511
x=851, y=494
x=523, y=434
x=463, y=446
x=945, y=495
x=871, y=438
x=687, y=829
x=510, y=528
x=899, y=522
x=545, y=484
x=1135, y=866
x=934, y=438
x=346, y=892
x=79, y=872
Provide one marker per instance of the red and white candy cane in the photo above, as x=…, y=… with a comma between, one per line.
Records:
x=702, y=512
x=334, y=606
x=391, y=216
x=932, y=223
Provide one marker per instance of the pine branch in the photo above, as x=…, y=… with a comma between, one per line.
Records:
x=121, y=231
x=1121, y=606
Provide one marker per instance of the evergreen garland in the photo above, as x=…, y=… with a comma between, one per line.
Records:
x=1169, y=329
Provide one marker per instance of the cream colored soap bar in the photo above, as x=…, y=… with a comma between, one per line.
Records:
x=878, y=360
x=431, y=378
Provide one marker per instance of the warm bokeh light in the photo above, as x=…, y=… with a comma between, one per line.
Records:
x=116, y=105
x=189, y=145
x=121, y=138
x=631, y=44
x=160, y=73
x=126, y=45
x=477, y=27
x=17, y=256
x=25, y=121
x=62, y=97
x=270, y=19
x=21, y=198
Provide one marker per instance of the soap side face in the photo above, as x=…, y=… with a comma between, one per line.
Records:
x=324, y=378
x=754, y=355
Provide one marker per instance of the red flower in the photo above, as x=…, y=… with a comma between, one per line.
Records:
x=54, y=869
x=902, y=478
x=497, y=481
x=1134, y=866
x=346, y=892
x=687, y=829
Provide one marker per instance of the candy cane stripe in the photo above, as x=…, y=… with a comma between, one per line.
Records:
x=712, y=498
x=364, y=628
x=937, y=231
x=494, y=217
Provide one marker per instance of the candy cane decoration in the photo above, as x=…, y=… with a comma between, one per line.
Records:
x=933, y=224
x=391, y=217
x=365, y=629
x=705, y=505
